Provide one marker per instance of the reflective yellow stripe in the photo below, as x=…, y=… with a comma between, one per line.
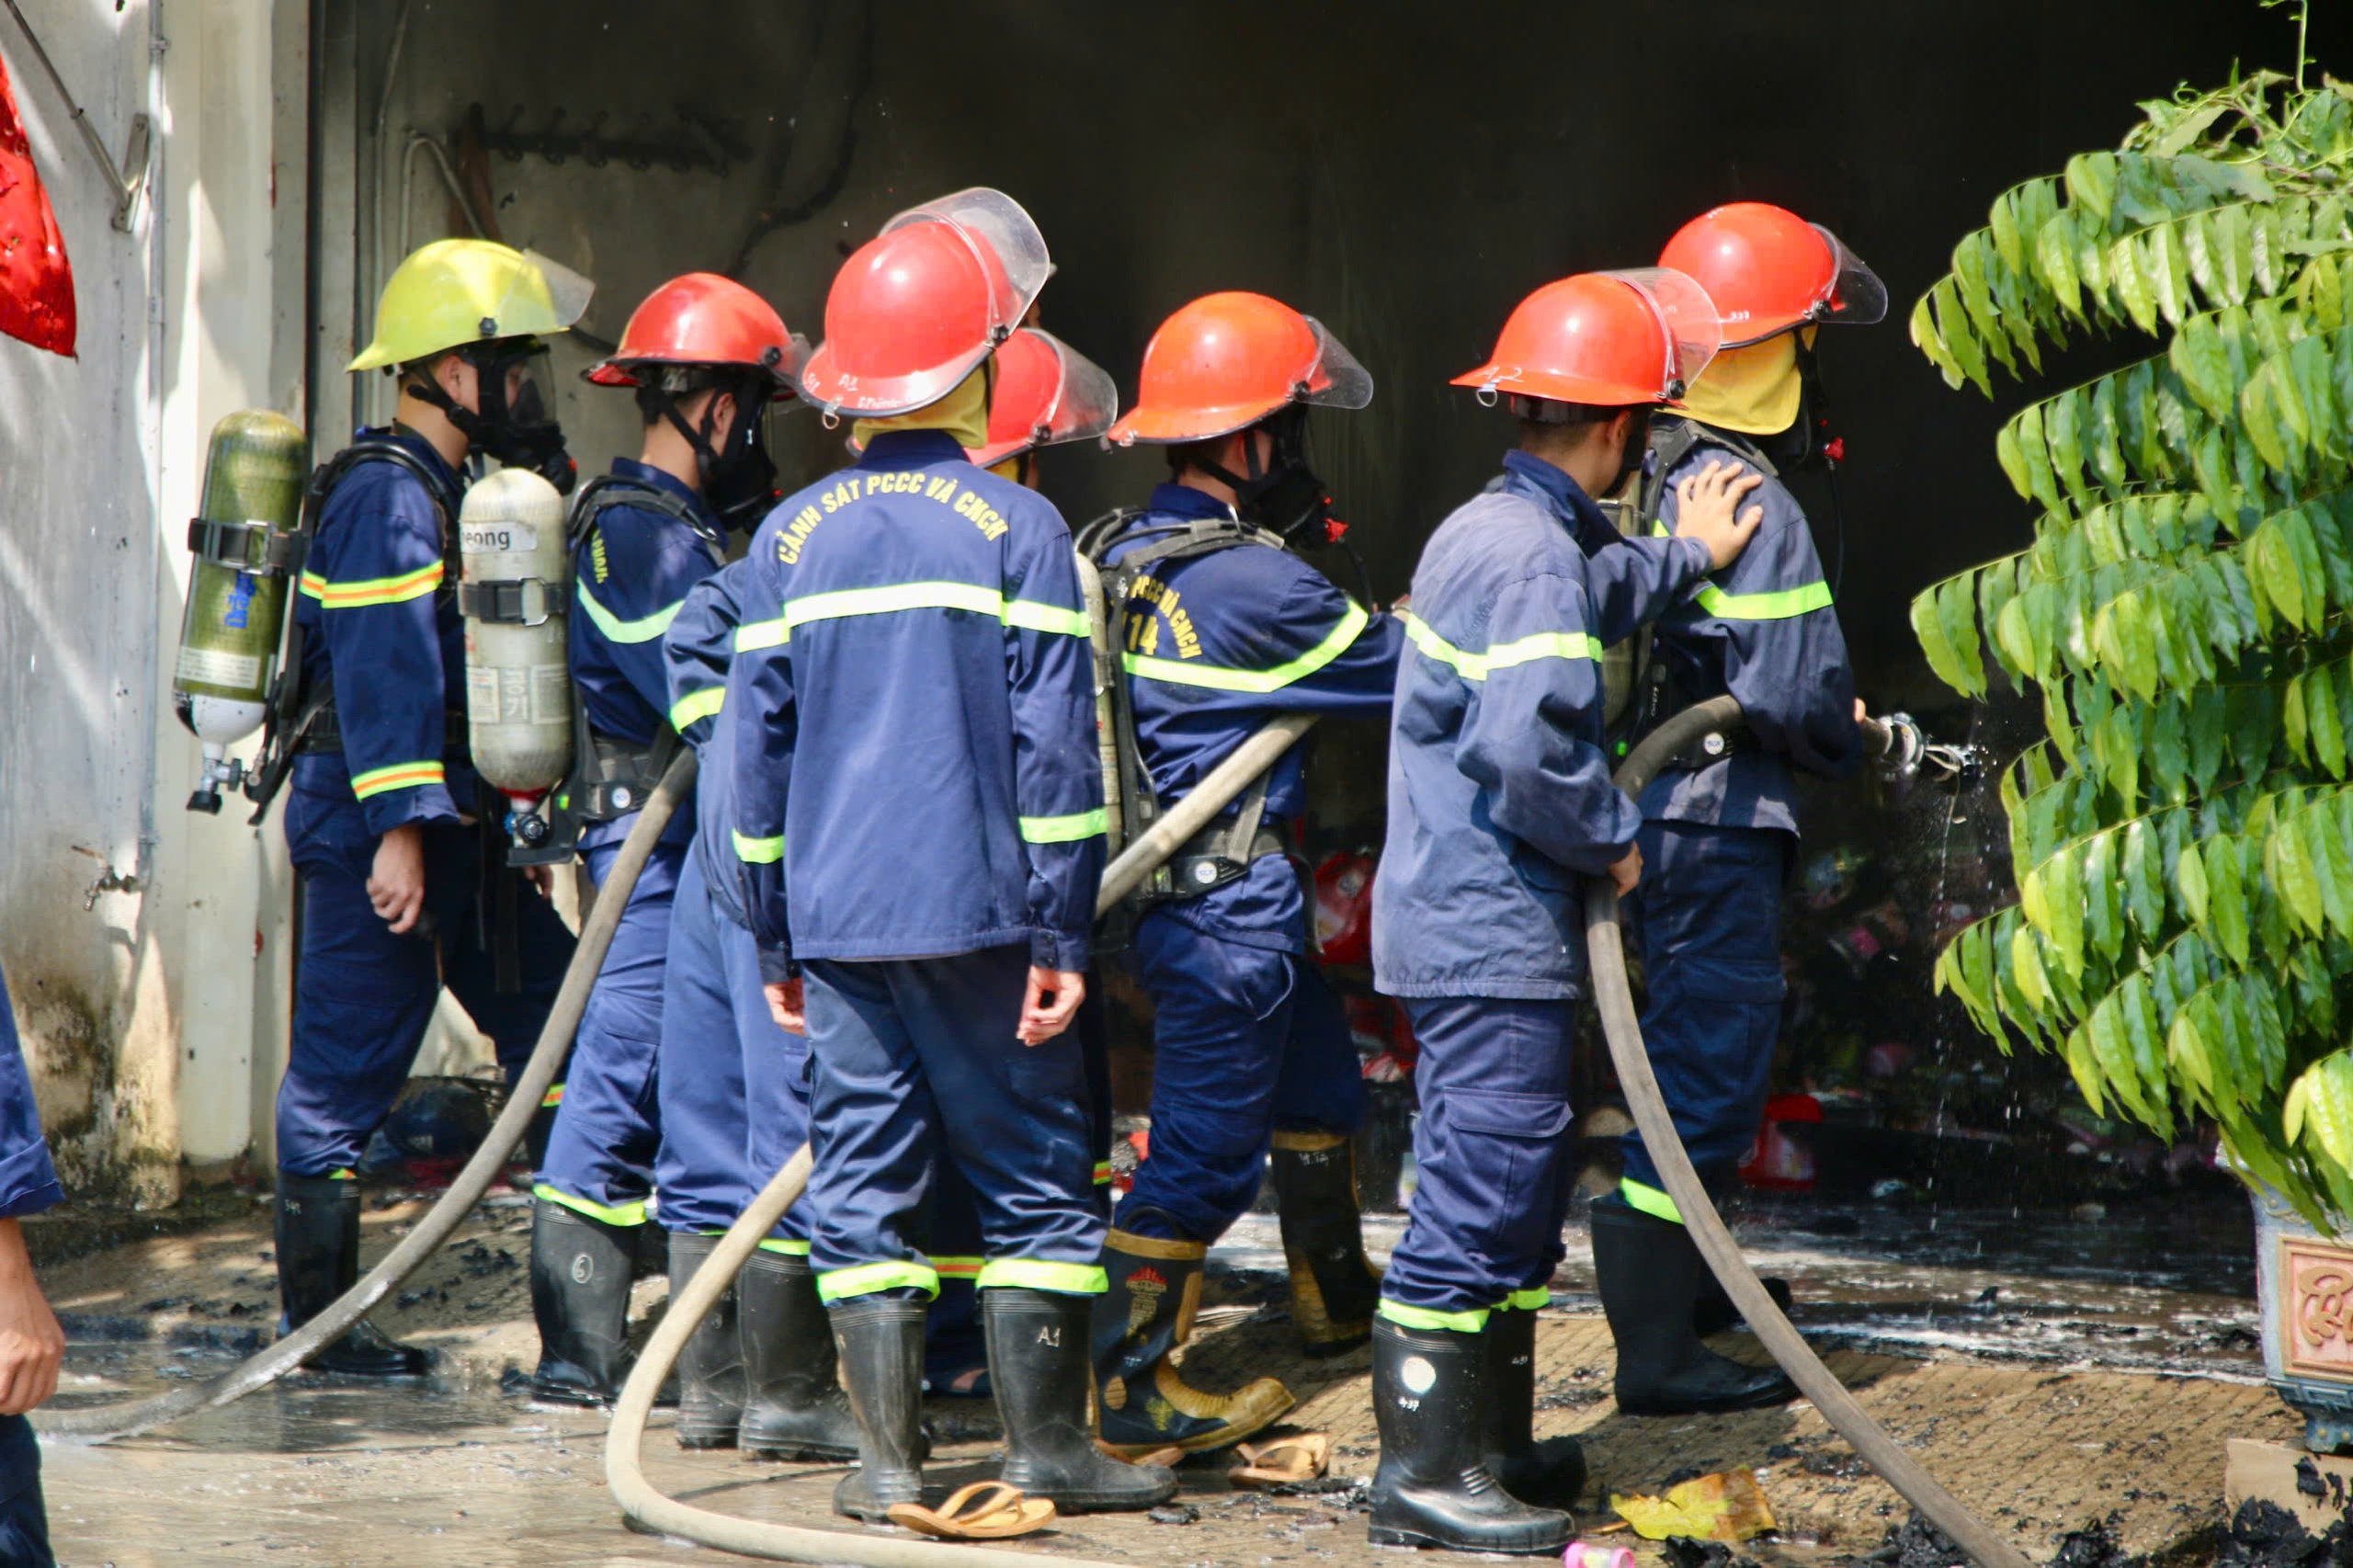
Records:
x=1649, y=1200
x=399, y=776
x=1531, y=1301
x=1422, y=1317
x=760, y=851
x=552, y=1098
x=1103, y=1173
x=345, y=1175
x=1784, y=604
x=1027, y=1274
x=1218, y=677
x=626, y=1214
x=697, y=705
x=1029, y=614
x=958, y=1267
x=1502, y=655
x=1066, y=830
x=373, y=590
x=835, y=1284
x=756, y=634
x=645, y=628
x=787, y=1249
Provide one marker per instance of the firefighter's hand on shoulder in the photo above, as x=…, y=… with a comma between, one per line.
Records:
x=1710, y=511
x=789, y=1006
x=1627, y=872
x=396, y=884
x=1052, y=1002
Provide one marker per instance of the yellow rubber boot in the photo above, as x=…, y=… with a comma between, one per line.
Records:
x=1143, y=1403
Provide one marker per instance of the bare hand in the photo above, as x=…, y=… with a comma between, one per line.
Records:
x=542, y=879
x=1627, y=872
x=1706, y=503
x=396, y=885
x=1052, y=1002
x=31, y=1345
x=1861, y=717
x=789, y=1006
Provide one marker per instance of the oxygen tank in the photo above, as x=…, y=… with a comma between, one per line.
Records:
x=513, y=594
x=1624, y=511
x=244, y=546
x=1105, y=638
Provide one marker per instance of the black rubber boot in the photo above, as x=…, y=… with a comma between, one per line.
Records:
x=1648, y=1272
x=878, y=1339
x=580, y=1279
x=1332, y=1289
x=318, y=1260
x=1433, y=1487
x=1550, y=1474
x=1038, y=1362
x=1713, y=1312
x=794, y=1407
x=1148, y=1312
x=710, y=1368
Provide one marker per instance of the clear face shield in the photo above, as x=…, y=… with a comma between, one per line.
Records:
x=515, y=392
x=1084, y=405
x=1858, y=297
x=1690, y=330
x=1005, y=240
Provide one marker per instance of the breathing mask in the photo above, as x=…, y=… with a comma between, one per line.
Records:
x=738, y=476
x=1284, y=496
x=516, y=423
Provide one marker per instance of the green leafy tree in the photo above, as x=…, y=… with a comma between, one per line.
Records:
x=2183, y=839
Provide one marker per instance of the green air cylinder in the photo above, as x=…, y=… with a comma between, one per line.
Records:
x=239, y=575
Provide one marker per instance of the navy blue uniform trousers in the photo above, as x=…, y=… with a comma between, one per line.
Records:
x=363, y=996
x=1245, y=1041
x=24, y=1525
x=917, y=1059
x=1706, y=921
x=601, y=1154
x=1493, y=1149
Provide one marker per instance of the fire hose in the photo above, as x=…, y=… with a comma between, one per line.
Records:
x=1613, y=994
x=103, y=1423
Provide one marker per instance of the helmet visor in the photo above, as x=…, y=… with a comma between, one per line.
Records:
x=525, y=383
x=1335, y=379
x=1012, y=251
x=1857, y=296
x=1692, y=330
x=1087, y=402
x=568, y=291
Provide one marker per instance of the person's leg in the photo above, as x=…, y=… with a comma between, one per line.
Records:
x=1014, y=1119
x=24, y=1522
x=1494, y=1080
x=955, y=1355
x=1319, y=1103
x=1707, y=921
x=1223, y=1020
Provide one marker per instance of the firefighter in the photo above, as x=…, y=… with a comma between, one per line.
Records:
x=918, y=811
x=404, y=885
x=32, y=1343
x=1225, y=625
x=704, y=355
x=1720, y=825
x=1499, y=804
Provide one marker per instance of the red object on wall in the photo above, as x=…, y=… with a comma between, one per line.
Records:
x=36, y=280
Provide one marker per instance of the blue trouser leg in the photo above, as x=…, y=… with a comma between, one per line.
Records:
x=600, y=1155
x=1244, y=1038
x=711, y=1021
x=953, y=1343
x=24, y=1525
x=915, y=1058
x=1707, y=923
x=1492, y=1147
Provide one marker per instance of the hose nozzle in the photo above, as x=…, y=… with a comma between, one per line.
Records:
x=1909, y=754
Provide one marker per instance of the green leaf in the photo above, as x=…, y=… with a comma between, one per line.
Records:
x=2324, y=1094
x=2064, y=890
x=2332, y=866
x=2226, y=899
x=1929, y=628
x=2233, y=253
x=2128, y=274
x=2199, y=358
x=1971, y=260
x=2026, y=960
x=2091, y=182
x=2169, y=271
x=2003, y=223
x=2293, y=874
x=1957, y=613
x=2325, y=690
x=1930, y=342
x=2006, y=452
x=2136, y=645
x=2054, y=263
x=2189, y=881
x=1959, y=337
x=2036, y=454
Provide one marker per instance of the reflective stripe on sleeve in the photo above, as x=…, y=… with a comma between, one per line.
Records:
x=366, y=591
x=1029, y=1273
x=1066, y=830
x=399, y=776
x=760, y=851
x=1502, y=655
x=645, y=628
x=1184, y=672
x=864, y=1280
x=785, y=1248
x=1784, y=604
x=697, y=705
x=756, y=634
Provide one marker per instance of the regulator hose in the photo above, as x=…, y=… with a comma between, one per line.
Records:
x=1613, y=994
x=103, y=1423
x=692, y=1300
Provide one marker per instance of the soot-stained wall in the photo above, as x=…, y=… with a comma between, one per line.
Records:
x=1406, y=172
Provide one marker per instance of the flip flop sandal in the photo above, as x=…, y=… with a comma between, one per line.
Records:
x=1170, y=1456
x=986, y=1510
x=1286, y=1461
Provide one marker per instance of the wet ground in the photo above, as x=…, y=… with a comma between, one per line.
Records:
x=2113, y=1356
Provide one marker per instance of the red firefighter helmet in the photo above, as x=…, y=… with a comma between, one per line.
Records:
x=1344, y=908
x=1046, y=392
x=704, y=319
x=1769, y=270
x=1226, y=361
x=1611, y=340
x=924, y=301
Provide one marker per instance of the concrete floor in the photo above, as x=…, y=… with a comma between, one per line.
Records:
x=2054, y=1402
